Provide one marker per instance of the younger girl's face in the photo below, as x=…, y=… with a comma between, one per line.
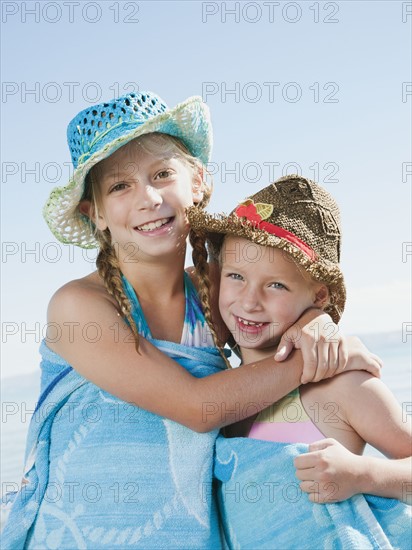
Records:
x=142, y=199
x=262, y=293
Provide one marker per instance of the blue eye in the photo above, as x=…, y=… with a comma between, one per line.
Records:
x=277, y=285
x=235, y=276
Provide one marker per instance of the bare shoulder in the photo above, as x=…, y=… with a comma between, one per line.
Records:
x=347, y=389
x=367, y=406
x=79, y=295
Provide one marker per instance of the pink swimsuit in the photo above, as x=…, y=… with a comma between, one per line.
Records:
x=286, y=421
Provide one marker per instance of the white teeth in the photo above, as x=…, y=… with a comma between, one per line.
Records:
x=251, y=323
x=153, y=225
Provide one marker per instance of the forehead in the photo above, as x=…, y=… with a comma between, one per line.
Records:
x=239, y=250
x=131, y=152
x=133, y=158
x=244, y=254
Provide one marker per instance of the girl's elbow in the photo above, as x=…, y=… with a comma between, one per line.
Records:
x=204, y=427
x=202, y=416
x=201, y=422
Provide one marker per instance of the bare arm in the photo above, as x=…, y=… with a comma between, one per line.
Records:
x=330, y=472
x=152, y=380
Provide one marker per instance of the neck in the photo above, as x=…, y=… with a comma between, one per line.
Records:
x=254, y=355
x=155, y=280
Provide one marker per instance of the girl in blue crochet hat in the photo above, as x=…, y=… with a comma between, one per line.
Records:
x=134, y=383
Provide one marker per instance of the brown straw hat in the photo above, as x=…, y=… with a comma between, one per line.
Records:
x=295, y=215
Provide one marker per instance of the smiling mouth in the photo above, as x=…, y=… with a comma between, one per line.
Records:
x=150, y=226
x=247, y=323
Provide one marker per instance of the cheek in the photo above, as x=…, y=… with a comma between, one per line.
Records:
x=222, y=299
x=290, y=309
x=180, y=197
x=225, y=296
x=280, y=306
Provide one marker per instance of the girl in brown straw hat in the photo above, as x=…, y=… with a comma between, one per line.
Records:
x=279, y=254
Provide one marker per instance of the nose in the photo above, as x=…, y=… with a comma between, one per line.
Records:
x=148, y=197
x=251, y=300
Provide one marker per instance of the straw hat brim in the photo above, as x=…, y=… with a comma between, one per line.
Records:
x=216, y=227
x=189, y=121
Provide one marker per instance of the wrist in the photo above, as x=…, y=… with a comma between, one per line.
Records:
x=310, y=314
x=366, y=474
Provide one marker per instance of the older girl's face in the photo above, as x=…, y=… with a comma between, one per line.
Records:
x=262, y=293
x=142, y=200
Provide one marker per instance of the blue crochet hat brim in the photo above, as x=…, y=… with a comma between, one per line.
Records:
x=189, y=121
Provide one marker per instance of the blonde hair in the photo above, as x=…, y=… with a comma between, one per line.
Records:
x=200, y=257
x=107, y=262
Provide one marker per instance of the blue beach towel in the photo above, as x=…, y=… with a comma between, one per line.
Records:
x=102, y=473
x=262, y=506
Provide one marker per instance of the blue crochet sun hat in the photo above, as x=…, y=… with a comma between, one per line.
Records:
x=98, y=131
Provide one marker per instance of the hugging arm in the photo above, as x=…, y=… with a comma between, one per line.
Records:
x=150, y=379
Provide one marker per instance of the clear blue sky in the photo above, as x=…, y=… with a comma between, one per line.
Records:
x=322, y=85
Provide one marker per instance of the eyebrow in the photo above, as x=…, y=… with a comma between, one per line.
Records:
x=131, y=167
x=274, y=276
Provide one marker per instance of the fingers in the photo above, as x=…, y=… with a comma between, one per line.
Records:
x=376, y=365
x=324, y=496
x=322, y=370
x=321, y=444
x=322, y=358
x=285, y=347
x=312, y=457
x=306, y=475
x=374, y=368
x=321, y=493
x=333, y=358
x=377, y=359
x=315, y=362
x=305, y=461
x=310, y=363
x=342, y=356
x=367, y=362
x=309, y=486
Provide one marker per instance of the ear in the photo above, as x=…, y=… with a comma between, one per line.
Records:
x=197, y=187
x=321, y=296
x=87, y=209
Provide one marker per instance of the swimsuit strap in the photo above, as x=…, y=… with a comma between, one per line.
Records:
x=195, y=331
x=137, y=312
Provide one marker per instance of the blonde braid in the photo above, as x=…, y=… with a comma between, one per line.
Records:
x=199, y=255
x=108, y=268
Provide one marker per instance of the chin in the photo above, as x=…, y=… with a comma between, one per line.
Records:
x=264, y=347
